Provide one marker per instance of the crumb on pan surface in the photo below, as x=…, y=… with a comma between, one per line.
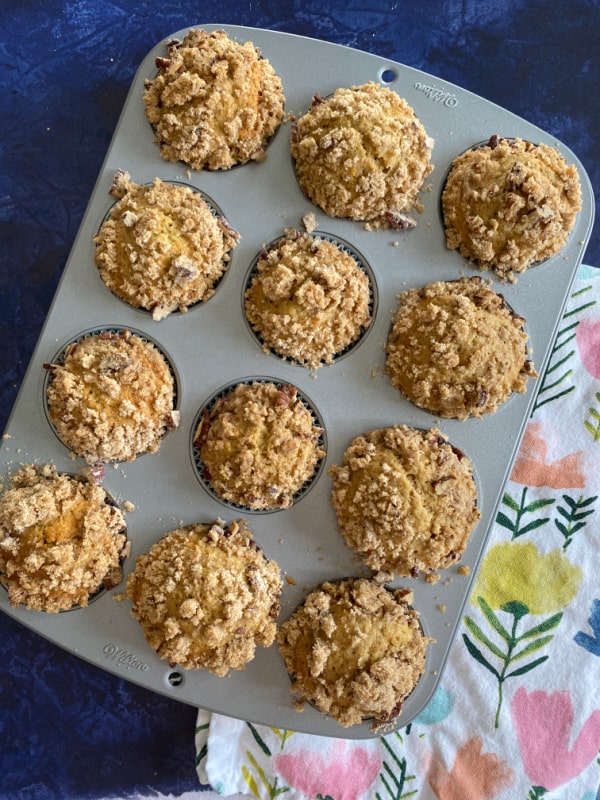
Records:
x=112, y=398
x=259, y=445
x=215, y=102
x=405, y=499
x=456, y=349
x=309, y=299
x=510, y=204
x=355, y=650
x=362, y=154
x=161, y=248
x=206, y=596
x=61, y=540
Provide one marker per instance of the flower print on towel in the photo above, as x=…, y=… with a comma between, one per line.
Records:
x=515, y=580
x=474, y=775
x=591, y=643
x=517, y=571
x=343, y=772
x=588, y=343
x=543, y=723
x=531, y=467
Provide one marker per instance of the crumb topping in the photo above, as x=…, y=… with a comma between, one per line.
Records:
x=61, y=540
x=355, y=650
x=215, y=102
x=259, y=445
x=510, y=204
x=309, y=299
x=456, y=349
x=112, y=398
x=161, y=248
x=405, y=499
x=206, y=597
x=362, y=154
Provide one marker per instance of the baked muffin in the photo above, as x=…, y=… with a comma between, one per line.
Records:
x=405, y=500
x=308, y=300
x=510, y=204
x=161, y=248
x=259, y=444
x=355, y=650
x=206, y=596
x=362, y=154
x=456, y=349
x=61, y=539
x=215, y=102
x=112, y=398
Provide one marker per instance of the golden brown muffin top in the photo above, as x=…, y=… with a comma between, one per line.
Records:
x=61, y=540
x=510, y=204
x=355, y=650
x=456, y=349
x=405, y=499
x=162, y=248
x=215, y=102
x=112, y=398
x=362, y=154
x=206, y=596
x=309, y=299
x=259, y=445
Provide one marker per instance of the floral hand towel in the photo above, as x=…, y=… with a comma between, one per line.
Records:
x=517, y=713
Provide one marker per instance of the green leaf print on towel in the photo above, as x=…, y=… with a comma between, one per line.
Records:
x=573, y=513
x=393, y=773
x=273, y=789
x=555, y=381
x=518, y=581
x=593, y=426
x=570, y=515
x=521, y=510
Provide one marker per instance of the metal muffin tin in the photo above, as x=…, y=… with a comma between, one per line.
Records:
x=211, y=346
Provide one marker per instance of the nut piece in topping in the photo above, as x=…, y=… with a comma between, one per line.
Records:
x=206, y=597
x=362, y=154
x=510, y=204
x=405, y=499
x=112, y=397
x=215, y=102
x=355, y=650
x=456, y=349
x=161, y=248
x=308, y=300
x=61, y=540
x=259, y=445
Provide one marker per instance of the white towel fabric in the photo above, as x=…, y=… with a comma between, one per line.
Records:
x=517, y=711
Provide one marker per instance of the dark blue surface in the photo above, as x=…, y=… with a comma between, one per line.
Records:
x=67, y=729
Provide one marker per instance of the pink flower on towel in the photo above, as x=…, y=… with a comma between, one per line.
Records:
x=543, y=724
x=344, y=772
x=533, y=469
x=474, y=775
x=587, y=337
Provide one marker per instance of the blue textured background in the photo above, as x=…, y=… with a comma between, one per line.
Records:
x=67, y=729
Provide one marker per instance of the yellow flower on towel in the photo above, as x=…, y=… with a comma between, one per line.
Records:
x=515, y=581
x=517, y=572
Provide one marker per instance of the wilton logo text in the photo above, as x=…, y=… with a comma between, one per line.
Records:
x=437, y=95
x=123, y=657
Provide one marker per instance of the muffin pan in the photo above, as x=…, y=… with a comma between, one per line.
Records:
x=211, y=347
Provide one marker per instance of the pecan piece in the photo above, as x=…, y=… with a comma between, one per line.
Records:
x=400, y=222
